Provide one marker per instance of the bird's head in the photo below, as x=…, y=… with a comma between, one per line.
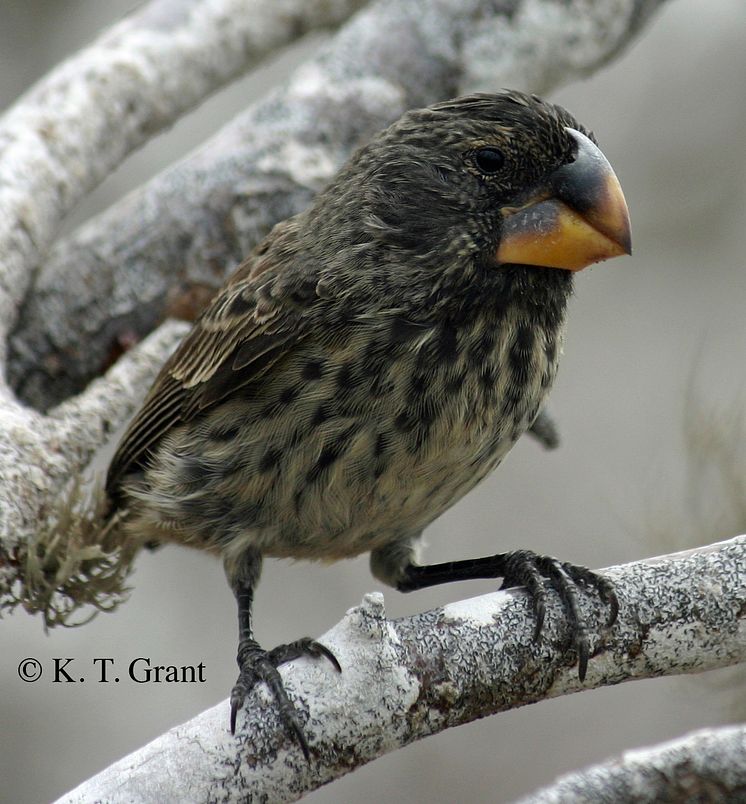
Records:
x=481, y=183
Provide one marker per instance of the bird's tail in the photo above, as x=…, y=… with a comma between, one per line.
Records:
x=80, y=560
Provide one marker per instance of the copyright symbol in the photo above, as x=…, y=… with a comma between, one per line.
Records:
x=29, y=670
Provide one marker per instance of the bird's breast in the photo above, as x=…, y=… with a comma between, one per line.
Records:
x=352, y=444
x=411, y=427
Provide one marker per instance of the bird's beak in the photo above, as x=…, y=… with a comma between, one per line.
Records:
x=579, y=217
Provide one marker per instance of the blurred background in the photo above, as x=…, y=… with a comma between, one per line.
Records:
x=649, y=402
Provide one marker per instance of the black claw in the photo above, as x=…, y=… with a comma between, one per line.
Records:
x=300, y=738
x=255, y=666
x=302, y=647
x=321, y=650
x=235, y=706
x=614, y=611
x=259, y=665
x=608, y=595
x=565, y=579
x=523, y=570
x=528, y=569
x=288, y=712
x=238, y=696
x=583, y=652
x=540, y=611
x=603, y=587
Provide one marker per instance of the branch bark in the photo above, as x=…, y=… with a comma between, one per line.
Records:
x=79, y=123
x=405, y=679
x=706, y=765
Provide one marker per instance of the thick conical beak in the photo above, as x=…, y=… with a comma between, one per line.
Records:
x=579, y=217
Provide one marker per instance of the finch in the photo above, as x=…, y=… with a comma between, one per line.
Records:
x=376, y=357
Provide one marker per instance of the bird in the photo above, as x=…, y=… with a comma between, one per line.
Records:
x=373, y=359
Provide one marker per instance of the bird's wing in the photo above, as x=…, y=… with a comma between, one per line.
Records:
x=246, y=328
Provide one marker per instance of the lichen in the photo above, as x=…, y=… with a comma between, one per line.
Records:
x=77, y=561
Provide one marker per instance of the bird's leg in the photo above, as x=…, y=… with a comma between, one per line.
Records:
x=524, y=568
x=256, y=664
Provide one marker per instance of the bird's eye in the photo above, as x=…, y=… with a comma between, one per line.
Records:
x=489, y=160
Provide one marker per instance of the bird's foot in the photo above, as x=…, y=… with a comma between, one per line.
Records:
x=257, y=664
x=526, y=568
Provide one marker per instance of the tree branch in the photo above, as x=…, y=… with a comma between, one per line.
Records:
x=40, y=461
x=76, y=125
x=405, y=679
x=706, y=765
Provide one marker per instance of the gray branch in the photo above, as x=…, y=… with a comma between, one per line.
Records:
x=405, y=679
x=77, y=125
x=706, y=765
x=39, y=455
x=190, y=226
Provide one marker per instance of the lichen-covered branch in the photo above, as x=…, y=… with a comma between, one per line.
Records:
x=403, y=680
x=79, y=122
x=40, y=461
x=707, y=765
x=151, y=254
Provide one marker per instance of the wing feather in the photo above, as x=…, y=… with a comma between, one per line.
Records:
x=243, y=332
